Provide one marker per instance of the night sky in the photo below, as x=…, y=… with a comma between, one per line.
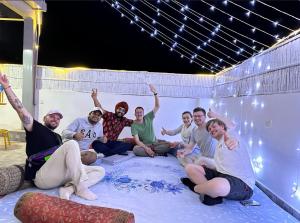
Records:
x=93, y=34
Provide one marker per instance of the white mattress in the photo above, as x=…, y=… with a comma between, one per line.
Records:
x=151, y=189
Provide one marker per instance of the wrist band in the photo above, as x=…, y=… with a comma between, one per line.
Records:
x=155, y=94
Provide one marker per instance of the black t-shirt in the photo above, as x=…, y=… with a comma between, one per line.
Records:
x=39, y=139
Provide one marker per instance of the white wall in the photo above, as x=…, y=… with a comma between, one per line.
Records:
x=8, y=117
x=276, y=123
x=77, y=104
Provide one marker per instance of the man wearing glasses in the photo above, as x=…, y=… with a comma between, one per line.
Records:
x=113, y=124
x=200, y=136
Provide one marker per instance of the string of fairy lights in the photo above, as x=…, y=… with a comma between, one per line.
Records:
x=201, y=39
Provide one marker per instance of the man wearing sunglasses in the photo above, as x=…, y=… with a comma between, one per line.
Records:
x=113, y=124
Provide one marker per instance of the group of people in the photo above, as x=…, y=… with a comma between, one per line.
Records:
x=216, y=164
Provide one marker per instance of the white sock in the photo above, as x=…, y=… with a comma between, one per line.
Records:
x=66, y=192
x=83, y=192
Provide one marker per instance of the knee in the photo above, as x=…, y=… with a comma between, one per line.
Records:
x=192, y=169
x=71, y=145
x=189, y=168
x=137, y=149
x=100, y=172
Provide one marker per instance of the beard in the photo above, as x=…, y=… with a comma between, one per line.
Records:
x=49, y=126
x=92, y=121
x=119, y=114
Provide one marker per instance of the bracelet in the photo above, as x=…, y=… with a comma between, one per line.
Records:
x=7, y=87
x=155, y=94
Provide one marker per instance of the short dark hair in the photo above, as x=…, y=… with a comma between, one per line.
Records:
x=187, y=112
x=138, y=108
x=199, y=109
x=218, y=121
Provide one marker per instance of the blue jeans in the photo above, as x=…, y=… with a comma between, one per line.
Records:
x=111, y=147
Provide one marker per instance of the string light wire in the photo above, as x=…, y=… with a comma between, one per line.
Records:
x=197, y=14
x=278, y=10
x=254, y=13
x=147, y=25
x=162, y=12
x=240, y=20
x=181, y=37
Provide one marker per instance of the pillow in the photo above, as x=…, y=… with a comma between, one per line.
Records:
x=37, y=207
x=12, y=179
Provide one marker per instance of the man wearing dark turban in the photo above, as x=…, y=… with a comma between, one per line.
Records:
x=113, y=124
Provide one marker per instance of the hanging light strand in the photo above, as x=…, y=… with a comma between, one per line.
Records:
x=254, y=13
x=209, y=31
x=278, y=10
x=185, y=50
x=180, y=36
x=220, y=10
x=197, y=14
x=166, y=17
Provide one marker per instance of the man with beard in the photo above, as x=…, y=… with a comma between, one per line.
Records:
x=113, y=124
x=85, y=131
x=50, y=163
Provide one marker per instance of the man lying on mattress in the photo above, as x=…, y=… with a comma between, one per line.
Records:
x=50, y=163
x=228, y=175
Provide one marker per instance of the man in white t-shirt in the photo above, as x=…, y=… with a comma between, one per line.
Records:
x=228, y=175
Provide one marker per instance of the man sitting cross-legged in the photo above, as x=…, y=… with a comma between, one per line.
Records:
x=113, y=124
x=143, y=133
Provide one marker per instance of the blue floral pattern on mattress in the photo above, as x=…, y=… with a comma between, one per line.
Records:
x=127, y=183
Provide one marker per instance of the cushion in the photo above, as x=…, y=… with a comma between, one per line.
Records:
x=12, y=179
x=37, y=207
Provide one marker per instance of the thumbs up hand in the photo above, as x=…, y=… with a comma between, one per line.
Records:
x=211, y=114
x=163, y=131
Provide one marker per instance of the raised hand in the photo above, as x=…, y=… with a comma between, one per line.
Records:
x=4, y=81
x=211, y=114
x=94, y=93
x=152, y=89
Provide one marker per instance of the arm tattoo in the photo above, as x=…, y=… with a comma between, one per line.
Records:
x=26, y=120
x=18, y=104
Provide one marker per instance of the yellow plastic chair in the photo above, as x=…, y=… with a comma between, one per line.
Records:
x=2, y=102
x=5, y=134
